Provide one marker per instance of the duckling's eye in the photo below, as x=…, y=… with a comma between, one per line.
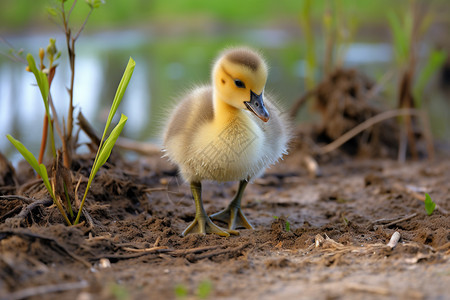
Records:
x=239, y=83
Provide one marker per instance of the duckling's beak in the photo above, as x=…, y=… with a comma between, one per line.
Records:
x=256, y=106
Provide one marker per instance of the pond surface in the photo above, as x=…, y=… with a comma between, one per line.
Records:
x=165, y=68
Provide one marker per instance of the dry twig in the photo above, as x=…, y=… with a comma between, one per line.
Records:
x=17, y=197
x=182, y=252
x=28, y=209
x=150, y=250
x=369, y=123
x=401, y=220
x=158, y=239
x=172, y=252
x=139, y=147
x=367, y=288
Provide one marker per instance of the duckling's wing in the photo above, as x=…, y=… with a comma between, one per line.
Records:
x=185, y=120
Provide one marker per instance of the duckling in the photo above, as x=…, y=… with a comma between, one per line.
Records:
x=229, y=131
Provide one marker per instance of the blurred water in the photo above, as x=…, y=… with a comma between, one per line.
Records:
x=164, y=69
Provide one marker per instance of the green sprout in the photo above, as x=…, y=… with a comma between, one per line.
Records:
x=344, y=220
x=181, y=291
x=204, y=289
x=43, y=84
x=104, y=149
x=119, y=291
x=287, y=225
x=307, y=29
x=435, y=60
x=401, y=33
x=429, y=204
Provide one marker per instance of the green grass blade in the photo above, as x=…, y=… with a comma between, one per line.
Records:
x=29, y=157
x=42, y=82
x=287, y=226
x=204, y=289
x=44, y=176
x=102, y=156
x=400, y=36
x=435, y=61
x=429, y=204
x=120, y=92
x=308, y=31
x=105, y=152
x=41, y=78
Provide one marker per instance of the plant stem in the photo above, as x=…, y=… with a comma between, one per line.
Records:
x=43, y=140
x=71, y=9
x=84, y=24
x=60, y=208
x=70, y=41
x=67, y=151
x=307, y=28
x=89, y=183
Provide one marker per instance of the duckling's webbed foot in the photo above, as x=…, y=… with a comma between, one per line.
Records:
x=233, y=215
x=202, y=223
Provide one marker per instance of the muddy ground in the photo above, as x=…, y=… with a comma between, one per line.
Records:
x=315, y=238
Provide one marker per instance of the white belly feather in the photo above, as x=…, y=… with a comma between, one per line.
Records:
x=228, y=153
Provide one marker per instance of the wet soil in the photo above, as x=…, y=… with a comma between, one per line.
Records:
x=314, y=238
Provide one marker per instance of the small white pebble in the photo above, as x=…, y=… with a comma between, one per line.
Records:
x=84, y=296
x=104, y=263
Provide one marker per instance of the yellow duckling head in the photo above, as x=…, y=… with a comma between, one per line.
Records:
x=239, y=77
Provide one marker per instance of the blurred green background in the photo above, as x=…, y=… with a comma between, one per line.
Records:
x=175, y=42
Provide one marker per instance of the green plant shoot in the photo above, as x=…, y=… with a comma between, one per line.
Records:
x=287, y=226
x=401, y=34
x=40, y=169
x=429, y=204
x=204, y=289
x=434, y=62
x=181, y=291
x=104, y=149
x=119, y=291
x=42, y=82
x=307, y=29
x=102, y=156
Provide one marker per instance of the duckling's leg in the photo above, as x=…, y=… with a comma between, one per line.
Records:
x=202, y=223
x=233, y=215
